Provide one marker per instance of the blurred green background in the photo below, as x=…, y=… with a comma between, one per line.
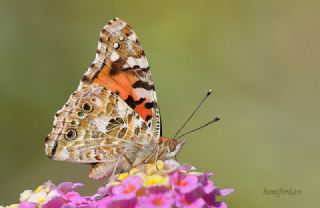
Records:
x=260, y=57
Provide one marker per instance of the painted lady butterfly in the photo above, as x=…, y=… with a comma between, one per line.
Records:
x=112, y=120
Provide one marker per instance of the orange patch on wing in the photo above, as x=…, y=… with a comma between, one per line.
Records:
x=123, y=80
x=110, y=84
x=122, y=83
x=143, y=111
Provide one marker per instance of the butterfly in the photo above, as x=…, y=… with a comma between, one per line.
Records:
x=112, y=121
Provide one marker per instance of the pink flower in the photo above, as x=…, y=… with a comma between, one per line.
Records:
x=75, y=200
x=223, y=192
x=183, y=202
x=167, y=185
x=105, y=202
x=27, y=205
x=69, y=186
x=157, y=189
x=123, y=203
x=219, y=205
x=128, y=187
x=184, y=183
x=156, y=201
x=55, y=202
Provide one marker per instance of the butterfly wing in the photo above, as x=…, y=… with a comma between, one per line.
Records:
x=121, y=66
x=95, y=125
x=114, y=110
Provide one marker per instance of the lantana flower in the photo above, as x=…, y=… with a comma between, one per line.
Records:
x=162, y=184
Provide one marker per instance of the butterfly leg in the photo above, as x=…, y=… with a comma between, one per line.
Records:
x=158, y=155
x=128, y=161
x=155, y=152
x=113, y=174
x=156, y=158
x=121, y=163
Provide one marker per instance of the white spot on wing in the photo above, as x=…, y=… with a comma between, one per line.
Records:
x=118, y=27
x=122, y=108
x=133, y=37
x=100, y=124
x=97, y=90
x=141, y=92
x=64, y=153
x=114, y=56
x=155, y=96
x=141, y=62
x=116, y=45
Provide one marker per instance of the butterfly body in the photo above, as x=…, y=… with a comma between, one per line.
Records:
x=112, y=120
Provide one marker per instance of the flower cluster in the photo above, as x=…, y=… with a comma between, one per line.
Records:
x=163, y=184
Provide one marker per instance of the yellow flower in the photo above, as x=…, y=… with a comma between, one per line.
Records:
x=38, y=197
x=114, y=183
x=38, y=189
x=12, y=206
x=133, y=171
x=154, y=168
x=41, y=199
x=122, y=176
x=155, y=180
x=24, y=196
x=125, y=175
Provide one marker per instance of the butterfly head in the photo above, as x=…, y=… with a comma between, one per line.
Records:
x=171, y=147
x=71, y=124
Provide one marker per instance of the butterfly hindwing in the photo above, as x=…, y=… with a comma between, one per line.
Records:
x=95, y=125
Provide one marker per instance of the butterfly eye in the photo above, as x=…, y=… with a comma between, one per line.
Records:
x=172, y=145
x=87, y=107
x=70, y=134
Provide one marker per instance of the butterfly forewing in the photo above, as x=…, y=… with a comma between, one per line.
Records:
x=122, y=67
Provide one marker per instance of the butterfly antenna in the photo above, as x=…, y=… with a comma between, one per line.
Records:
x=210, y=122
x=202, y=101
